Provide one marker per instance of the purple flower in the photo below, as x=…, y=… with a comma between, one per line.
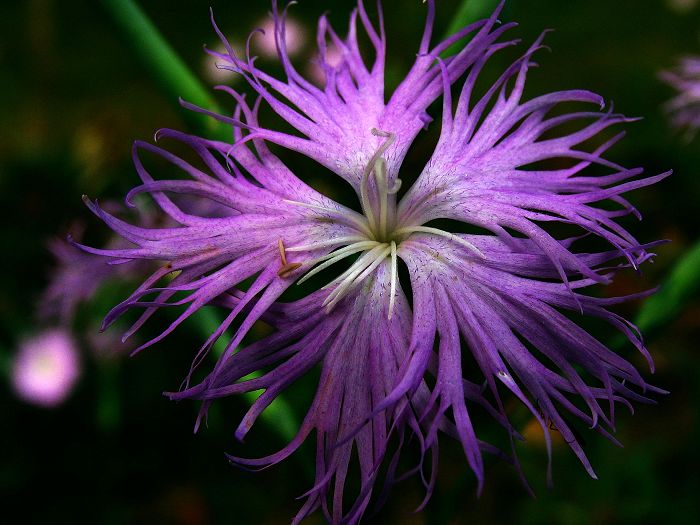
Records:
x=46, y=368
x=391, y=360
x=75, y=279
x=684, y=108
x=77, y=276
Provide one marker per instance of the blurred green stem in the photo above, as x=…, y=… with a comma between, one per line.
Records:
x=178, y=81
x=278, y=415
x=469, y=11
x=156, y=54
x=108, y=401
x=5, y=362
x=681, y=285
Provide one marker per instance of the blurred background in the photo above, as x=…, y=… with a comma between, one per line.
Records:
x=87, y=436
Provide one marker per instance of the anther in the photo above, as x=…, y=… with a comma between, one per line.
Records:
x=287, y=267
x=395, y=188
x=286, y=271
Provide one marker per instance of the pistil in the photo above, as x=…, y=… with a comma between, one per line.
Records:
x=378, y=219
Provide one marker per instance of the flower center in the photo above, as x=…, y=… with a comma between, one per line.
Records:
x=379, y=233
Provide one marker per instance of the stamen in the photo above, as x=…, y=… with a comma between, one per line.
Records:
x=283, y=256
x=361, y=263
x=394, y=279
x=442, y=233
x=322, y=244
x=336, y=256
x=286, y=271
x=287, y=268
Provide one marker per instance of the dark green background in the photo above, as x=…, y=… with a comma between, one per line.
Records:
x=73, y=96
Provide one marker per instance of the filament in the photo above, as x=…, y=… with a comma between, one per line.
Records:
x=336, y=256
x=442, y=233
x=394, y=278
x=323, y=244
x=358, y=273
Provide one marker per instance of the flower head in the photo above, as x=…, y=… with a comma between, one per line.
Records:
x=391, y=353
x=684, y=108
x=46, y=368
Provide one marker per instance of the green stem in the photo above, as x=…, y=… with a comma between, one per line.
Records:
x=681, y=285
x=178, y=81
x=667, y=303
x=5, y=362
x=109, y=409
x=278, y=415
x=469, y=11
x=161, y=60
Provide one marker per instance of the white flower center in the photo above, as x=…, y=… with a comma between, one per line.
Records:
x=380, y=233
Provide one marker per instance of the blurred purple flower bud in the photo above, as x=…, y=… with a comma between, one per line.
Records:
x=684, y=108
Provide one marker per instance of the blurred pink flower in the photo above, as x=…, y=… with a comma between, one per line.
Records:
x=216, y=74
x=682, y=6
x=265, y=43
x=333, y=58
x=46, y=368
